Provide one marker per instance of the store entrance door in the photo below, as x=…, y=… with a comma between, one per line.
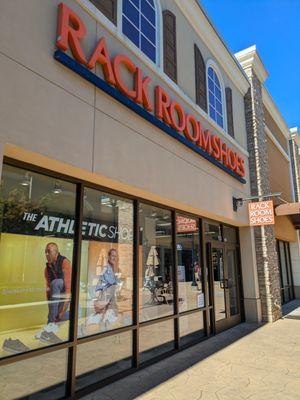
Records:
x=222, y=261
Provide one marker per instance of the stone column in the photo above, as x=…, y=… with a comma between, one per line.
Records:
x=264, y=237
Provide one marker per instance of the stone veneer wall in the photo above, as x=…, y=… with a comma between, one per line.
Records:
x=265, y=242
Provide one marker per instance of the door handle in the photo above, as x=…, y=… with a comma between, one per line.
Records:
x=224, y=283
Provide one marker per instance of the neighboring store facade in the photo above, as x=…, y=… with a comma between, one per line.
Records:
x=274, y=167
x=295, y=246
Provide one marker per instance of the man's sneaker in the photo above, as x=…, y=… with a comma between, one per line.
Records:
x=51, y=327
x=14, y=346
x=50, y=338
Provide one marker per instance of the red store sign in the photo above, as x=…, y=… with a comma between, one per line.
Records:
x=71, y=31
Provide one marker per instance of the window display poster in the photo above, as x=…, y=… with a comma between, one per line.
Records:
x=23, y=301
x=105, y=287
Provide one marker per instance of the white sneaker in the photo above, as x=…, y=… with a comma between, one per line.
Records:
x=110, y=316
x=94, y=319
x=49, y=328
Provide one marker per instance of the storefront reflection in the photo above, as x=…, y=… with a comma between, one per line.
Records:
x=37, y=229
x=189, y=270
x=156, y=260
x=106, y=264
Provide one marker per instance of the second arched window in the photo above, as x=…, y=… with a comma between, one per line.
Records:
x=215, y=98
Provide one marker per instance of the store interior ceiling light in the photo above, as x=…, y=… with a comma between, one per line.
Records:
x=26, y=180
x=105, y=201
x=57, y=188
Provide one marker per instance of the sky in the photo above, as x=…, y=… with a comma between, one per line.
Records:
x=274, y=26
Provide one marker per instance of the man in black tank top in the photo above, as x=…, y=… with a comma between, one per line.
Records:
x=58, y=283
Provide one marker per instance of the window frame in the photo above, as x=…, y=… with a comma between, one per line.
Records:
x=211, y=64
x=116, y=30
x=158, y=33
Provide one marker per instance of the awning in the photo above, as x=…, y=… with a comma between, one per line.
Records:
x=288, y=209
x=291, y=209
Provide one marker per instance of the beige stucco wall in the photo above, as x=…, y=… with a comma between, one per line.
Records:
x=279, y=169
x=295, y=260
x=251, y=295
x=276, y=131
x=52, y=112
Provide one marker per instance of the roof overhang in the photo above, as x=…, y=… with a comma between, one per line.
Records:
x=295, y=135
x=275, y=113
x=249, y=58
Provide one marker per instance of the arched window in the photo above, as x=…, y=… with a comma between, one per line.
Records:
x=215, y=96
x=139, y=24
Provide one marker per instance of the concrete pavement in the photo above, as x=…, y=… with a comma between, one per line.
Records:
x=246, y=362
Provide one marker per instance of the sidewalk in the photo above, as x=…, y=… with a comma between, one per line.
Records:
x=246, y=362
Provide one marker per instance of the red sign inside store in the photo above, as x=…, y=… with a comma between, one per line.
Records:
x=186, y=225
x=72, y=30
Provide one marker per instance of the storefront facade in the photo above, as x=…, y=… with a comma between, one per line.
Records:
x=120, y=160
x=294, y=143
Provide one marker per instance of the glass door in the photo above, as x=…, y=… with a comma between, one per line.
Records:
x=232, y=285
x=222, y=260
x=286, y=283
x=219, y=282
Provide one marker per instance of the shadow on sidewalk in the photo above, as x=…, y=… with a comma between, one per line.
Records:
x=291, y=309
x=149, y=377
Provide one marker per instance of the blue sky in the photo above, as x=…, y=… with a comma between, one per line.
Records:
x=274, y=26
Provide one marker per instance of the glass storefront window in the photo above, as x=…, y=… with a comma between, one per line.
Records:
x=36, y=246
x=212, y=231
x=37, y=378
x=232, y=282
x=155, y=263
x=37, y=222
x=106, y=275
x=189, y=269
x=285, y=271
x=230, y=234
x=156, y=339
x=191, y=328
x=100, y=359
